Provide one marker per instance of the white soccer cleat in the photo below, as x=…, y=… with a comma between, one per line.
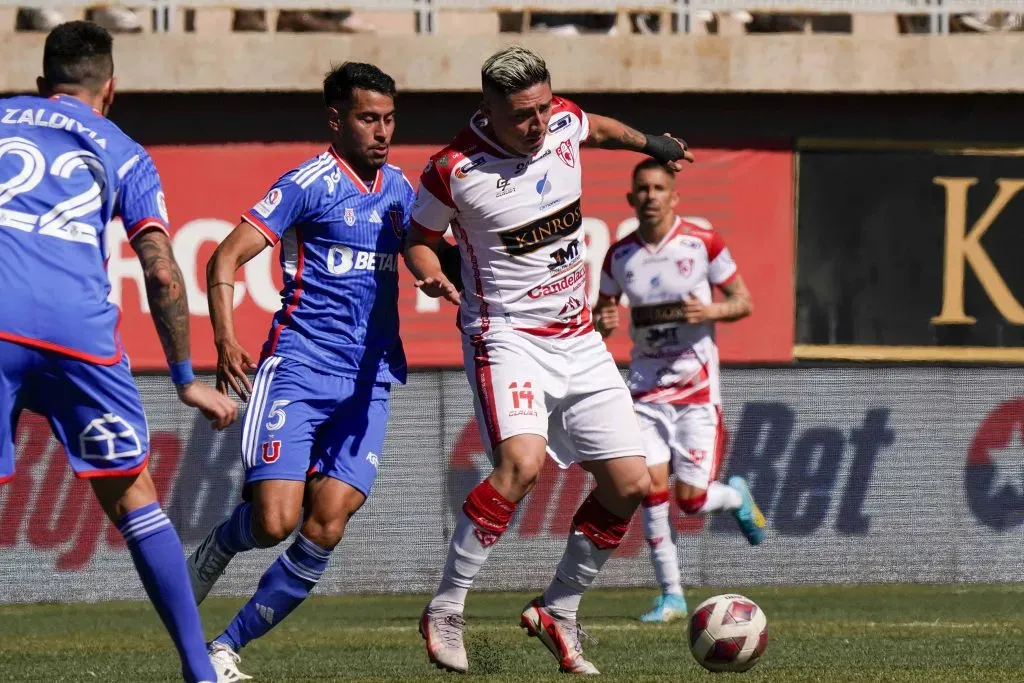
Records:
x=207, y=564
x=560, y=636
x=443, y=633
x=225, y=663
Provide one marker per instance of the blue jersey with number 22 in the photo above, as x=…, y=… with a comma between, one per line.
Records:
x=65, y=172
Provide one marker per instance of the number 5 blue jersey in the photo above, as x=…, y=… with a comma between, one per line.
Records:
x=65, y=172
x=340, y=246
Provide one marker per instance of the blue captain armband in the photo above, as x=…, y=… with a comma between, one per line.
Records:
x=181, y=372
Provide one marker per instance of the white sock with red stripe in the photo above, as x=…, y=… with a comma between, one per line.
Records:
x=721, y=498
x=483, y=519
x=658, y=532
x=595, y=535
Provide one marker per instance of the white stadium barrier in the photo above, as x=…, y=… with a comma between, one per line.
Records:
x=866, y=475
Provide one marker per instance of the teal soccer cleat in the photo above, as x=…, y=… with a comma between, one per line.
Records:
x=667, y=607
x=748, y=516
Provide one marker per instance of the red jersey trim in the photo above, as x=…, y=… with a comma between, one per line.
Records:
x=439, y=184
x=726, y=281
x=485, y=389
x=4, y=480
x=713, y=241
x=144, y=225
x=64, y=350
x=268, y=234
x=102, y=474
x=378, y=180
x=563, y=330
x=560, y=104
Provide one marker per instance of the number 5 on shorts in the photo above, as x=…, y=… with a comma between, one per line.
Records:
x=276, y=416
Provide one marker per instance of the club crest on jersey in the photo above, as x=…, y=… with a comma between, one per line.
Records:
x=564, y=152
x=350, y=216
x=685, y=266
x=395, y=216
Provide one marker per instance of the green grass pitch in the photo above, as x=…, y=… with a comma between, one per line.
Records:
x=846, y=634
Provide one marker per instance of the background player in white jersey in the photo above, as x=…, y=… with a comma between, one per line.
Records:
x=509, y=185
x=668, y=268
x=65, y=172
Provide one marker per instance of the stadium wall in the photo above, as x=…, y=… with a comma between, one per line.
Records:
x=242, y=62
x=867, y=475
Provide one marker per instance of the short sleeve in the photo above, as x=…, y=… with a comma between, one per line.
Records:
x=141, y=203
x=434, y=207
x=580, y=136
x=721, y=266
x=283, y=206
x=609, y=285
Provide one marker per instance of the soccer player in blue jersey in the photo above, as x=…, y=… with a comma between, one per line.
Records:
x=65, y=171
x=314, y=429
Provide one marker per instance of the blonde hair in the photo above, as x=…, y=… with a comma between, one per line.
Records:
x=513, y=69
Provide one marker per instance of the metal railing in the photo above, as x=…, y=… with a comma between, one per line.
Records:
x=938, y=11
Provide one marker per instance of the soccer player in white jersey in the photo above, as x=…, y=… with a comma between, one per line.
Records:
x=668, y=268
x=509, y=185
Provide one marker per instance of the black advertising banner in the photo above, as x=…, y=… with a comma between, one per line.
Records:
x=910, y=255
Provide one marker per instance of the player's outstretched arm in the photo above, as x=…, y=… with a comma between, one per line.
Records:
x=606, y=314
x=233, y=362
x=168, y=301
x=422, y=260
x=609, y=133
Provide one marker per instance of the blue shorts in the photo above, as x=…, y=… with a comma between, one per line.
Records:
x=94, y=410
x=301, y=422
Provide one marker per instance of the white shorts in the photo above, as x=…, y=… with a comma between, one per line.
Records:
x=567, y=390
x=688, y=436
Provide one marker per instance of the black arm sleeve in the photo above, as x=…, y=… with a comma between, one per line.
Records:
x=663, y=148
x=451, y=263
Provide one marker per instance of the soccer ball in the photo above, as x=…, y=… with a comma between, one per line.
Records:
x=728, y=633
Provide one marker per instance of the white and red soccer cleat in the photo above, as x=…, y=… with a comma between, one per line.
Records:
x=560, y=636
x=443, y=633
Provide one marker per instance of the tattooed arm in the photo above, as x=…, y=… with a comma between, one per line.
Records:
x=168, y=302
x=165, y=289
x=612, y=134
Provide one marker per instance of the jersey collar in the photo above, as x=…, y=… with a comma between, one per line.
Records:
x=655, y=248
x=378, y=180
x=74, y=102
x=477, y=124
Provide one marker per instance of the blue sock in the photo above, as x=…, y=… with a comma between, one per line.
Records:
x=160, y=562
x=283, y=587
x=235, y=535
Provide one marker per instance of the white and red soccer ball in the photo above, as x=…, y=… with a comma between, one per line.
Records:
x=728, y=633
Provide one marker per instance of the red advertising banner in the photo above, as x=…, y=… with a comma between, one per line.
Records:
x=746, y=194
